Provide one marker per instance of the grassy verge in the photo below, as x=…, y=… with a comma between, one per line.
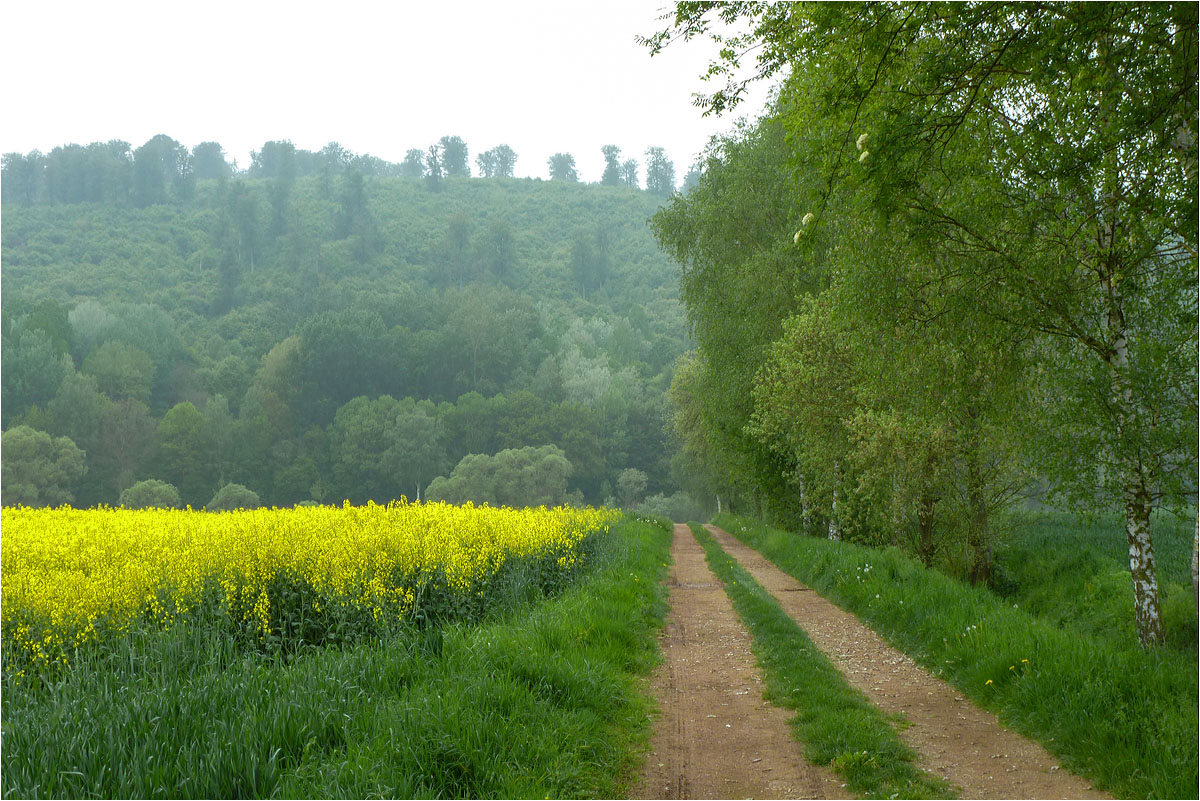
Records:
x=1124, y=717
x=837, y=724
x=543, y=701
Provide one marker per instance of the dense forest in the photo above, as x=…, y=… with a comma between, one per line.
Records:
x=324, y=326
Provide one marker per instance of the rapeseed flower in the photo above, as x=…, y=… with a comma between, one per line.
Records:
x=71, y=574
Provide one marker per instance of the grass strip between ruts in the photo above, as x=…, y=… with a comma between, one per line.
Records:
x=837, y=724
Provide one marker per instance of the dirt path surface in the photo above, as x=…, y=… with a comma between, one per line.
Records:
x=716, y=736
x=954, y=739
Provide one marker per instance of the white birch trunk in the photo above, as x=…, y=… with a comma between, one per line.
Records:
x=805, y=511
x=835, y=531
x=1137, y=496
x=1143, y=569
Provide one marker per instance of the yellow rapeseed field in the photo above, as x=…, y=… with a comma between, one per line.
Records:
x=70, y=573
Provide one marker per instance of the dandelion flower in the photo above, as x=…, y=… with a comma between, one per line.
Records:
x=862, y=141
x=989, y=681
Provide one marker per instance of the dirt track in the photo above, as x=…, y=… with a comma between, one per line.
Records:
x=717, y=737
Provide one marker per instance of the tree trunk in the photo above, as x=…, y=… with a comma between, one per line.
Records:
x=835, y=531
x=978, y=538
x=1142, y=567
x=1136, y=493
x=805, y=511
x=925, y=518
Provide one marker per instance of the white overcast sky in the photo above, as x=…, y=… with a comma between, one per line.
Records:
x=377, y=77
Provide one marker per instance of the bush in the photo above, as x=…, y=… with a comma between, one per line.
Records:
x=233, y=496
x=151, y=494
x=679, y=507
x=515, y=477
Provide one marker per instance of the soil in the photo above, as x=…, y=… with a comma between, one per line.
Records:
x=716, y=737
x=967, y=746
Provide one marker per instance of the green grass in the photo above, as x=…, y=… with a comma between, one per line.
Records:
x=837, y=724
x=1074, y=572
x=1123, y=717
x=546, y=700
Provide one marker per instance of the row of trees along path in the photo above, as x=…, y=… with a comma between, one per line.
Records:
x=718, y=738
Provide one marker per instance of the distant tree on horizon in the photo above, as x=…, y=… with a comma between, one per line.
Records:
x=660, y=172
x=499, y=162
x=612, y=165
x=562, y=167
x=629, y=173
x=454, y=157
x=413, y=165
x=209, y=163
x=433, y=168
x=160, y=164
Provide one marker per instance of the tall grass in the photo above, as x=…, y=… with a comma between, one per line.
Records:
x=837, y=724
x=1124, y=717
x=1074, y=571
x=541, y=701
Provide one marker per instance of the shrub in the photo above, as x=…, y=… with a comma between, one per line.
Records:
x=679, y=507
x=231, y=497
x=151, y=494
x=515, y=477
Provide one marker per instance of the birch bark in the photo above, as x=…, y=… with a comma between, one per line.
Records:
x=1135, y=480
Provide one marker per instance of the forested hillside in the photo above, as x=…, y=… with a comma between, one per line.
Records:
x=324, y=327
